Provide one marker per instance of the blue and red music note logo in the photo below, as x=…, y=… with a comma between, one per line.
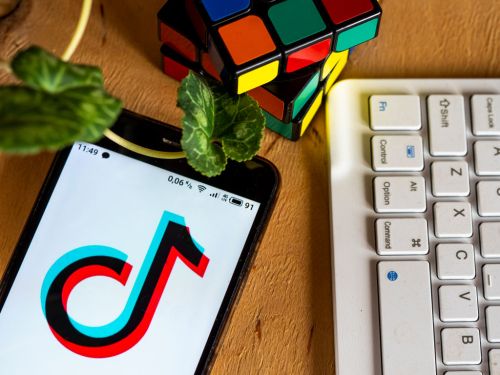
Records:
x=171, y=241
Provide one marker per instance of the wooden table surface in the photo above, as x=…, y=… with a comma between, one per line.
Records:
x=282, y=323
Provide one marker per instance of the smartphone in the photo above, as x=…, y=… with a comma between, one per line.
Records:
x=130, y=264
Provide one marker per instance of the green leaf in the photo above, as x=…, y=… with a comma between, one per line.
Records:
x=218, y=125
x=33, y=120
x=28, y=122
x=225, y=110
x=239, y=124
x=94, y=108
x=39, y=69
x=196, y=100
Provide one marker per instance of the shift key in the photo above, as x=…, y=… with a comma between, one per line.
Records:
x=447, y=134
x=406, y=325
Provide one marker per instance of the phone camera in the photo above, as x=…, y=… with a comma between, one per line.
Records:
x=105, y=155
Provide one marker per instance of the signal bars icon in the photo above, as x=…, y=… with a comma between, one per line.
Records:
x=214, y=195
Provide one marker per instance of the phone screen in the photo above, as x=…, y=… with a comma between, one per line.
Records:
x=126, y=270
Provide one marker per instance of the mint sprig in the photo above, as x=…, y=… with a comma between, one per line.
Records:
x=217, y=125
x=57, y=104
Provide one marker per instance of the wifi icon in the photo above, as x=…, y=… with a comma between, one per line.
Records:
x=201, y=188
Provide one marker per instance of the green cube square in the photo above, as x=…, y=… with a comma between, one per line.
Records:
x=294, y=129
x=305, y=95
x=357, y=35
x=295, y=20
x=286, y=130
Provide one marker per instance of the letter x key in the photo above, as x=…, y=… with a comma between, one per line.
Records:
x=452, y=219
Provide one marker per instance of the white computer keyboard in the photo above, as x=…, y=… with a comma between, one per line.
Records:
x=415, y=197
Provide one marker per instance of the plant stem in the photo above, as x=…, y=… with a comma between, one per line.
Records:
x=143, y=150
x=79, y=31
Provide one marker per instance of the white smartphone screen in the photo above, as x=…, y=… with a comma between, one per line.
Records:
x=125, y=273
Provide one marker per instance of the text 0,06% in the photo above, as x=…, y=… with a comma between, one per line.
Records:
x=179, y=181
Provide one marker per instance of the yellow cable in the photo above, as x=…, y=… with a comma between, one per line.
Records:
x=142, y=150
x=73, y=45
x=79, y=31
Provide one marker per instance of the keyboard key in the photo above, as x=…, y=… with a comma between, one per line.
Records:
x=461, y=346
x=487, y=158
x=458, y=303
x=447, y=125
x=450, y=179
x=455, y=262
x=486, y=114
x=452, y=219
x=493, y=323
x=402, y=236
x=399, y=194
x=491, y=281
x=395, y=112
x=489, y=233
x=494, y=359
x=488, y=198
x=397, y=153
x=406, y=327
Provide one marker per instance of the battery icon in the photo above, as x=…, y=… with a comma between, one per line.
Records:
x=235, y=201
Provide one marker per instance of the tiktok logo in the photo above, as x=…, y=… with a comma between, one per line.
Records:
x=171, y=241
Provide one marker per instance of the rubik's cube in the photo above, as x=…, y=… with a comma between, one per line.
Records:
x=286, y=54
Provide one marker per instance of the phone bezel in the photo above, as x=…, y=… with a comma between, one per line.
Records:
x=257, y=179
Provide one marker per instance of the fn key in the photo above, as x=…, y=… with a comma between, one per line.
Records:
x=406, y=318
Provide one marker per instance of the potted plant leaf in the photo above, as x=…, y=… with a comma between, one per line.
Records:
x=59, y=103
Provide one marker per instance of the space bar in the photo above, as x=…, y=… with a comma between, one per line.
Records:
x=406, y=327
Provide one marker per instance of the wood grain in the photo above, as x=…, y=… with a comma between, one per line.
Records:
x=282, y=323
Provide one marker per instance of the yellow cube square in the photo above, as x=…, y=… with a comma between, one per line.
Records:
x=318, y=100
x=258, y=77
x=331, y=62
